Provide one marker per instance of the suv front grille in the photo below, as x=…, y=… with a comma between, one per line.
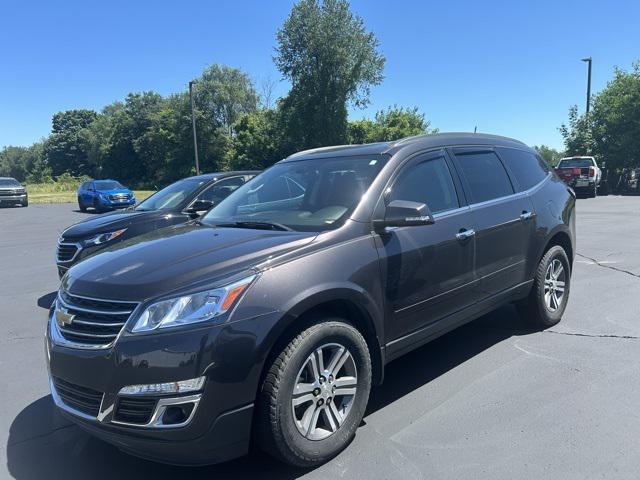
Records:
x=83, y=399
x=66, y=251
x=134, y=410
x=119, y=196
x=93, y=322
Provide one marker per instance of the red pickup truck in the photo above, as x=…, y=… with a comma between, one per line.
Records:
x=580, y=173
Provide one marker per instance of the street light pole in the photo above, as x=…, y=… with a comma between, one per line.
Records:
x=193, y=122
x=588, y=60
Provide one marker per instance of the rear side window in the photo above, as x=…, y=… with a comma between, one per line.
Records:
x=528, y=169
x=485, y=175
x=428, y=182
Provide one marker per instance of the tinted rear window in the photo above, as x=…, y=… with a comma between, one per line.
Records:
x=528, y=169
x=485, y=175
x=575, y=163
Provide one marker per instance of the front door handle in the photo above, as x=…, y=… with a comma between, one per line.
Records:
x=526, y=215
x=465, y=234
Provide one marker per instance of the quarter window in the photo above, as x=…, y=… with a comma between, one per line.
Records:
x=428, y=182
x=485, y=175
x=528, y=169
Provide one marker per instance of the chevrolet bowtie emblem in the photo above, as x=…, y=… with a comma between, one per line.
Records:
x=63, y=317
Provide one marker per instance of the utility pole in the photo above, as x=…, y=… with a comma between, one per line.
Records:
x=588, y=60
x=193, y=122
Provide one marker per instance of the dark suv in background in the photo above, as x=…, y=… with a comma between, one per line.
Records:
x=273, y=315
x=180, y=202
x=12, y=192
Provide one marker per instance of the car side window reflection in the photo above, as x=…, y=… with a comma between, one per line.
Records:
x=427, y=182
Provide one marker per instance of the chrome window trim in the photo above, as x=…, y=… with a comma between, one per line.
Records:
x=515, y=195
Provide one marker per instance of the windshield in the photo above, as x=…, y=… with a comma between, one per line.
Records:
x=107, y=185
x=171, y=196
x=9, y=182
x=575, y=163
x=307, y=195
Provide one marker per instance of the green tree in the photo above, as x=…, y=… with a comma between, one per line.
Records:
x=393, y=123
x=223, y=94
x=257, y=143
x=331, y=61
x=616, y=119
x=65, y=148
x=549, y=154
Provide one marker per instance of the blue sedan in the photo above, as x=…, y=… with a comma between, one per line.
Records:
x=102, y=195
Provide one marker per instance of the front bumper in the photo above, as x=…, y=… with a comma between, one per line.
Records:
x=228, y=355
x=13, y=198
x=106, y=203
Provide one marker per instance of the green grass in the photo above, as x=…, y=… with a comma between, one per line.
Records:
x=39, y=193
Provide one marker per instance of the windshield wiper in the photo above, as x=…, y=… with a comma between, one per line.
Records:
x=257, y=224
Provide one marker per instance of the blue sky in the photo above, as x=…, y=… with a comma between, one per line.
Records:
x=510, y=67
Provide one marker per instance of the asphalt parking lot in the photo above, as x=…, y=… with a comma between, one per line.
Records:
x=491, y=400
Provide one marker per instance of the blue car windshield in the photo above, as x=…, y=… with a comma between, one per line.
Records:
x=306, y=195
x=107, y=185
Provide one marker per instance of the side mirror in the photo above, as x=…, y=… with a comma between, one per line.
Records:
x=199, y=206
x=403, y=213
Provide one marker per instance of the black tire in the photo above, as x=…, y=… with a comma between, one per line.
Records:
x=96, y=206
x=276, y=429
x=81, y=206
x=594, y=194
x=534, y=308
x=25, y=203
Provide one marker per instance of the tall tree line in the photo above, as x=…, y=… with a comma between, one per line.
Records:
x=323, y=50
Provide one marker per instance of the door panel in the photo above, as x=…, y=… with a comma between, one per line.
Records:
x=502, y=242
x=428, y=271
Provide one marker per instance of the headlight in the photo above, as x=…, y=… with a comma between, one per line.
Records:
x=194, y=308
x=103, y=238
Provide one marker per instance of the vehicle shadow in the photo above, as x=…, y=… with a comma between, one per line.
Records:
x=42, y=443
x=45, y=301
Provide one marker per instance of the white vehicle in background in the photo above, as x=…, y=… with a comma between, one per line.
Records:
x=580, y=173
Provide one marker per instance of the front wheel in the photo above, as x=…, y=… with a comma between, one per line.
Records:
x=548, y=298
x=314, y=394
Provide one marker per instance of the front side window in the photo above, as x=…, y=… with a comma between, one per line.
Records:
x=528, y=168
x=427, y=182
x=221, y=190
x=308, y=195
x=485, y=175
x=171, y=196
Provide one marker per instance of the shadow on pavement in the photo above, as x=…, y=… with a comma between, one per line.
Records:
x=43, y=444
x=45, y=301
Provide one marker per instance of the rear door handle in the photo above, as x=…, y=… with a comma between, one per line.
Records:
x=464, y=234
x=526, y=215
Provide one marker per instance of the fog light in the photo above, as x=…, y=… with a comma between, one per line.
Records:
x=183, y=386
x=177, y=414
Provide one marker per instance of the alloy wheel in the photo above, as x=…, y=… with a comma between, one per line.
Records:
x=554, y=285
x=324, y=391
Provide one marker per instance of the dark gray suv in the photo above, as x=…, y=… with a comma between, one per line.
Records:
x=271, y=317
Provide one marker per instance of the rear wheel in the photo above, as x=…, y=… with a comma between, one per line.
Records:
x=314, y=394
x=548, y=298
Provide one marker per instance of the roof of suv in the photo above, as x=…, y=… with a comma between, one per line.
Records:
x=427, y=141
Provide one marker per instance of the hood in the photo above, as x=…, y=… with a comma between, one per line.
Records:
x=114, y=191
x=176, y=258
x=110, y=222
